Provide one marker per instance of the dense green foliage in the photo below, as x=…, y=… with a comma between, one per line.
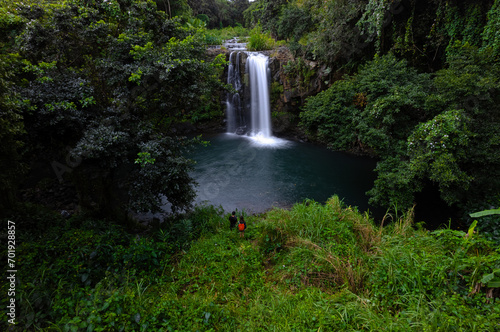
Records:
x=219, y=36
x=97, y=91
x=11, y=128
x=343, y=33
x=219, y=13
x=313, y=267
x=414, y=83
x=11, y=124
x=260, y=41
x=442, y=129
x=101, y=86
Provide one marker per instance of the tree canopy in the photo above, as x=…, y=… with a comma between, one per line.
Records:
x=100, y=86
x=430, y=129
x=219, y=13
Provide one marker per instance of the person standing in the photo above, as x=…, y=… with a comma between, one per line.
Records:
x=232, y=220
x=242, y=225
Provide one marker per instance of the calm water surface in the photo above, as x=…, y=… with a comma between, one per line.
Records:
x=238, y=172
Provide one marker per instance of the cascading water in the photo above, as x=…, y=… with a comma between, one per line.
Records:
x=235, y=118
x=249, y=108
x=260, y=107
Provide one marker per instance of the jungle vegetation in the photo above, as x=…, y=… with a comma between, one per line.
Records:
x=414, y=83
x=312, y=267
x=93, y=96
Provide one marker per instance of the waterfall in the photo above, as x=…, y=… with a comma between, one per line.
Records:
x=235, y=118
x=260, y=107
x=248, y=109
x=257, y=111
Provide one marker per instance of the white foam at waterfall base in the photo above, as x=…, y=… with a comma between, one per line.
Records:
x=259, y=140
x=268, y=141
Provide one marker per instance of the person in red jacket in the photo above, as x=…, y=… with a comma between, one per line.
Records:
x=242, y=225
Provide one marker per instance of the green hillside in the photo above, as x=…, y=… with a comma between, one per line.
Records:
x=311, y=268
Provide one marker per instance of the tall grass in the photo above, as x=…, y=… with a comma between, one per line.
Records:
x=323, y=267
x=335, y=237
x=261, y=41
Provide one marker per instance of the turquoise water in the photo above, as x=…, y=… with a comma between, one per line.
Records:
x=239, y=172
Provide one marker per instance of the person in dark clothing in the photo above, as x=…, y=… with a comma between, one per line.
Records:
x=233, y=220
x=242, y=225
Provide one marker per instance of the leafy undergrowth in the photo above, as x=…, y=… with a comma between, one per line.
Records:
x=314, y=267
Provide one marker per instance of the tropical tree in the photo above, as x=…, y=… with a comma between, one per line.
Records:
x=440, y=132
x=11, y=119
x=174, y=8
x=105, y=84
x=219, y=13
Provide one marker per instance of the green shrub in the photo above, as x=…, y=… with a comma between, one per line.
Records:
x=259, y=41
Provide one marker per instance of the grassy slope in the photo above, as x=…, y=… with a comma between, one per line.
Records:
x=324, y=267
x=311, y=268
